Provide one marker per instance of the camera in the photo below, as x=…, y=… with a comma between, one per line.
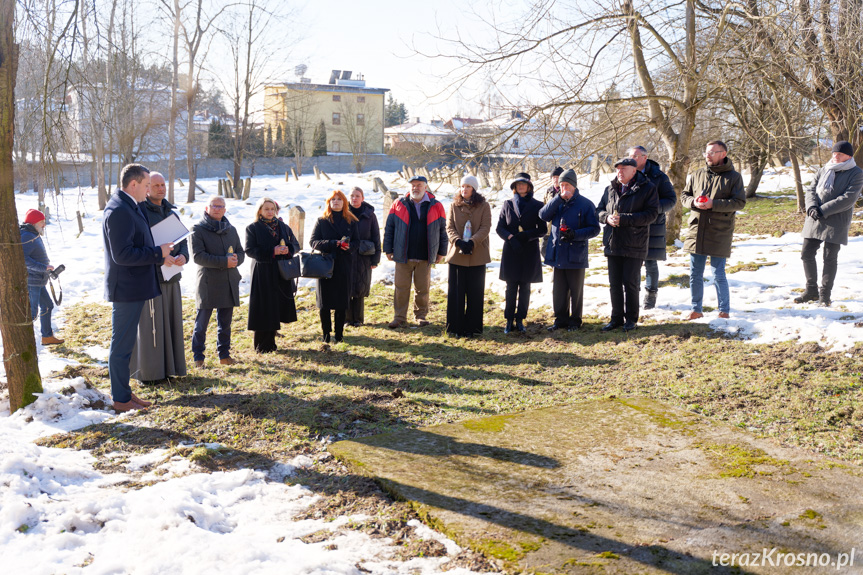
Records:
x=56, y=271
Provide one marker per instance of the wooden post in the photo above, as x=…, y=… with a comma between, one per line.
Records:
x=380, y=186
x=324, y=174
x=80, y=223
x=179, y=181
x=247, y=188
x=317, y=172
x=297, y=222
x=389, y=197
x=294, y=173
x=219, y=192
x=287, y=177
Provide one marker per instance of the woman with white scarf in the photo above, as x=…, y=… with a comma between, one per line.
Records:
x=829, y=205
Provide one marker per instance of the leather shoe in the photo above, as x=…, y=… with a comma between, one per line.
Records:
x=140, y=401
x=629, y=326
x=555, y=327
x=573, y=328
x=613, y=324
x=723, y=315
x=51, y=340
x=124, y=406
x=695, y=315
x=806, y=297
x=508, y=327
x=228, y=361
x=199, y=363
x=520, y=326
x=394, y=324
x=422, y=322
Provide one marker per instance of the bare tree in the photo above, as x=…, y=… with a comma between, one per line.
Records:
x=360, y=124
x=16, y=326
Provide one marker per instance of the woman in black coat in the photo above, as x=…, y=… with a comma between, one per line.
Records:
x=335, y=233
x=520, y=226
x=365, y=260
x=271, y=300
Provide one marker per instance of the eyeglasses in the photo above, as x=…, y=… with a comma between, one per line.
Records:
x=714, y=153
x=217, y=207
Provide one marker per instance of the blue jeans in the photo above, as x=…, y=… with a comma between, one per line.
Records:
x=124, y=332
x=696, y=281
x=39, y=298
x=224, y=315
x=651, y=275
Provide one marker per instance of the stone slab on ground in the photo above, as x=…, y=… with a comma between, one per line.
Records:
x=622, y=486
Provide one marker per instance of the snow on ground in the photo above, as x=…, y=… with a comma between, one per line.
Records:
x=59, y=513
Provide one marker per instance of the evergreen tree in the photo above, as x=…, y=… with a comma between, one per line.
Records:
x=218, y=141
x=270, y=150
x=320, y=145
x=395, y=113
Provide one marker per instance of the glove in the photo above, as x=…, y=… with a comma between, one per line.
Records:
x=567, y=236
x=522, y=237
x=460, y=244
x=467, y=247
x=815, y=213
x=515, y=244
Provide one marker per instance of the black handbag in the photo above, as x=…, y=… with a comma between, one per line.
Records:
x=289, y=269
x=317, y=265
x=367, y=248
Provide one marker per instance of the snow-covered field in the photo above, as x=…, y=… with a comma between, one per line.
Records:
x=60, y=514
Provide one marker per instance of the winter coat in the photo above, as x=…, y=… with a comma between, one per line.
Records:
x=335, y=292
x=369, y=230
x=396, y=230
x=637, y=208
x=216, y=285
x=711, y=231
x=131, y=257
x=155, y=214
x=479, y=216
x=667, y=201
x=520, y=263
x=271, y=299
x=550, y=194
x=837, y=206
x=35, y=256
x=579, y=213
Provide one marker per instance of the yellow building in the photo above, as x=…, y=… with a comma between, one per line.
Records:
x=352, y=114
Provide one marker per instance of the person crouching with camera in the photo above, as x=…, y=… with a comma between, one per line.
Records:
x=38, y=268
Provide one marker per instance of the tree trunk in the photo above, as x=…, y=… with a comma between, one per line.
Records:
x=757, y=161
x=16, y=325
x=798, y=182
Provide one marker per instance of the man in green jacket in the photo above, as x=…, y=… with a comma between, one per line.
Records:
x=713, y=194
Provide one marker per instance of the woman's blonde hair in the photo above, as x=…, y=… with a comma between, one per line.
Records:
x=260, y=206
x=346, y=211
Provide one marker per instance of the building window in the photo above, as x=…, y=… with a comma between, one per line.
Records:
x=337, y=119
x=337, y=147
x=361, y=99
x=515, y=143
x=337, y=98
x=361, y=119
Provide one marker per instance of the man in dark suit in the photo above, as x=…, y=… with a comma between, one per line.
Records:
x=130, y=276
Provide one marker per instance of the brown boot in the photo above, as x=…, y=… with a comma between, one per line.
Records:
x=51, y=340
x=228, y=361
x=140, y=401
x=199, y=363
x=123, y=406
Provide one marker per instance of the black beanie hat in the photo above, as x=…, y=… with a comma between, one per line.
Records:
x=843, y=147
x=570, y=177
x=557, y=171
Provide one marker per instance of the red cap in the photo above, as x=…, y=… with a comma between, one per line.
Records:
x=33, y=217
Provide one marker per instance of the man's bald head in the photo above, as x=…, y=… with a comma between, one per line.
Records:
x=158, y=189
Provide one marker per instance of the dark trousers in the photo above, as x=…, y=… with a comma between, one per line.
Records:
x=357, y=310
x=265, y=341
x=224, y=316
x=517, y=292
x=810, y=266
x=40, y=299
x=567, y=296
x=624, y=279
x=465, y=299
x=124, y=332
x=327, y=324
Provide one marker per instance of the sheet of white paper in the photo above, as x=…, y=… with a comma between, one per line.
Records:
x=171, y=230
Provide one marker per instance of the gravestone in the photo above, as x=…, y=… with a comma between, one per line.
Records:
x=297, y=222
x=620, y=486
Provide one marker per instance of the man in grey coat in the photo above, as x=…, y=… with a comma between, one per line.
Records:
x=217, y=250
x=829, y=205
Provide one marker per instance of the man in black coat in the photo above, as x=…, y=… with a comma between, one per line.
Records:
x=656, y=243
x=130, y=276
x=627, y=208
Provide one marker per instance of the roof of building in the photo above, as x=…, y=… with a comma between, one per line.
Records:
x=328, y=88
x=418, y=129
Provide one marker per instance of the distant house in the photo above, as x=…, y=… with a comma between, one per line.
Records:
x=417, y=133
x=351, y=112
x=459, y=124
x=515, y=134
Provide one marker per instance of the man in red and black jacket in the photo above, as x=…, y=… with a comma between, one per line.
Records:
x=415, y=238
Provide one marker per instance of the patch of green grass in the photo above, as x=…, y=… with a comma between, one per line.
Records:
x=734, y=460
x=748, y=267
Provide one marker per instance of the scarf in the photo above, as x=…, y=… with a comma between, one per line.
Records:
x=828, y=176
x=272, y=225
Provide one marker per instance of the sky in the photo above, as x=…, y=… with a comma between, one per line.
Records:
x=380, y=39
